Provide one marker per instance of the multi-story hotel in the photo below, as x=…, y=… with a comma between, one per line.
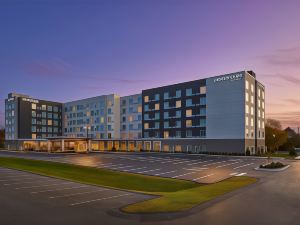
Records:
x=221, y=114
x=28, y=118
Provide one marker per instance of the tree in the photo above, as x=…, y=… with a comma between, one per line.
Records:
x=275, y=137
x=2, y=137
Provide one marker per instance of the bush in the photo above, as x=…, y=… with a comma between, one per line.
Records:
x=292, y=152
x=113, y=149
x=247, y=152
x=272, y=165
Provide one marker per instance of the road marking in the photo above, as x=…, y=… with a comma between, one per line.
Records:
x=181, y=175
x=158, y=174
x=227, y=165
x=148, y=171
x=203, y=177
x=100, y=199
x=58, y=189
x=190, y=164
x=181, y=162
x=240, y=174
x=196, y=169
x=81, y=193
x=232, y=174
x=26, y=182
x=135, y=169
x=243, y=166
x=46, y=185
x=120, y=167
x=214, y=163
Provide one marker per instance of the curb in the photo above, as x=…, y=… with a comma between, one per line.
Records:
x=272, y=170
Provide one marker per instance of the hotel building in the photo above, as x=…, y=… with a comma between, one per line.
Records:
x=221, y=114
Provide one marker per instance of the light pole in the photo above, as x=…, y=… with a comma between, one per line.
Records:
x=87, y=136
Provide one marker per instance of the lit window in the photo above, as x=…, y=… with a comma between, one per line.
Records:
x=130, y=118
x=166, y=134
x=102, y=119
x=146, y=125
x=203, y=90
x=258, y=92
x=188, y=123
x=178, y=104
x=252, y=122
x=252, y=88
x=139, y=109
x=33, y=106
x=33, y=136
x=156, y=106
x=146, y=98
x=44, y=107
x=188, y=92
x=247, y=97
x=247, y=109
x=252, y=99
x=188, y=112
x=246, y=121
x=49, y=122
x=263, y=94
x=247, y=84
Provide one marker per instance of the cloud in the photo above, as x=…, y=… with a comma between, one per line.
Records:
x=48, y=68
x=118, y=80
x=284, y=57
x=286, y=77
x=291, y=119
x=293, y=101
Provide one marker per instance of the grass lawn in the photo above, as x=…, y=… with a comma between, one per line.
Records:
x=281, y=155
x=175, y=195
x=186, y=199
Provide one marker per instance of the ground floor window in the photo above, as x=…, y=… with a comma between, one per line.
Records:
x=156, y=145
x=147, y=145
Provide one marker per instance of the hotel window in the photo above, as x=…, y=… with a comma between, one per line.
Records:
x=109, y=103
x=44, y=129
x=188, y=123
x=44, y=122
x=55, y=109
x=50, y=108
x=247, y=109
x=258, y=102
x=50, y=130
x=178, y=104
x=189, y=92
x=178, y=124
x=258, y=92
x=263, y=114
x=246, y=121
x=139, y=109
x=146, y=116
x=202, y=133
x=156, y=97
x=166, y=105
x=258, y=113
x=166, y=115
x=252, y=99
x=178, y=93
x=178, y=113
x=188, y=102
x=263, y=124
x=247, y=132
x=33, y=106
x=156, y=116
x=166, y=124
x=202, y=111
x=252, y=122
x=258, y=122
x=166, y=95
x=102, y=119
x=189, y=133
x=189, y=113
x=156, y=106
x=203, y=90
x=146, y=107
x=33, y=114
x=252, y=88
x=33, y=136
x=202, y=122
x=146, y=125
x=146, y=98
x=156, y=125
x=247, y=97
x=252, y=111
x=109, y=119
x=44, y=107
x=50, y=115
x=178, y=134
x=247, y=84
x=166, y=134
x=49, y=122
x=33, y=121
x=146, y=134
x=130, y=118
x=202, y=101
x=33, y=129
x=263, y=94
x=263, y=105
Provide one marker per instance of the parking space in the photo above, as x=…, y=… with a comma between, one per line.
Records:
x=198, y=168
x=63, y=192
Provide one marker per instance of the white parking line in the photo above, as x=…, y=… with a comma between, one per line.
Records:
x=46, y=185
x=133, y=169
x=240, y=174
x=196, y=169
x=232, y=174
x=190, y=164
x=227, y=165
x=26, y=182
x=181, y=175
x=58, y=189
x=203, y=177
x=100, y=199
x=243, y=166
x=158, y=174
x=120, y=167
x=80, y=193
x=214, y=163
x=148, y=171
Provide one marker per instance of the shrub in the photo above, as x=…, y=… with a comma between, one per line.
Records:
x=272, y=165
x=247, y=152
x=113, y=149
x=292, y=152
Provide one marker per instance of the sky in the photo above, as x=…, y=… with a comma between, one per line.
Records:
x=70, y=49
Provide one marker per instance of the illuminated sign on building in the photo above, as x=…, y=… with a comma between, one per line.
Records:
x=30, y=100
x=232, y=77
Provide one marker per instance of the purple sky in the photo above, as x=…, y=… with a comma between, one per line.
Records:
x=67, y=50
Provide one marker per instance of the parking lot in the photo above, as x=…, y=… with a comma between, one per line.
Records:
x=63, y=192
x=198, y=168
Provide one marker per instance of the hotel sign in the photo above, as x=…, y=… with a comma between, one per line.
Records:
x=232, y=77
x=30, y=100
